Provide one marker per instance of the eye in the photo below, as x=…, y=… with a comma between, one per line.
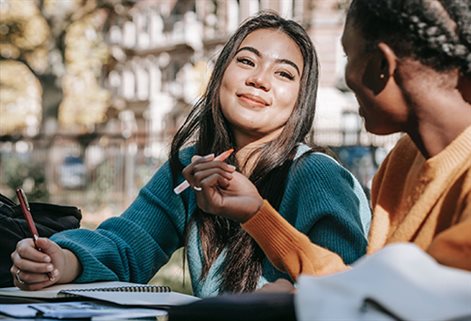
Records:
x=286, y=75
x=245, y=61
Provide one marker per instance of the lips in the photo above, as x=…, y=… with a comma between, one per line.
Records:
x=253, y=99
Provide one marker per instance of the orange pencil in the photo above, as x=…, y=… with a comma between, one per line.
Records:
x=221, y=157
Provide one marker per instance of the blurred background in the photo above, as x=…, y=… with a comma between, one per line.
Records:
x=92, y=91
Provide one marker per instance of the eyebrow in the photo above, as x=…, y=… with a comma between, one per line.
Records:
x=258, y=53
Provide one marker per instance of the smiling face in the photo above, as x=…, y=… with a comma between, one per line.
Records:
x=260, y=86
x=367, y=74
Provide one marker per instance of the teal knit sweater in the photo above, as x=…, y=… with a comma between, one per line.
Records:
x=321, y=199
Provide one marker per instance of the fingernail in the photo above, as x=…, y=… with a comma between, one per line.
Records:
x=49, y=267
x=47, y=259
x=232, y=167
x=209, y=156
x=55, y=273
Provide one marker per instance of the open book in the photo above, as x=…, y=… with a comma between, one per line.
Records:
x=122, y=293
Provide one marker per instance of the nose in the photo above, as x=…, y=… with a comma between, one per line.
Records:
x=259, y=80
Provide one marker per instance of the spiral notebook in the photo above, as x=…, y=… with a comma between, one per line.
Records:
x=122, y=293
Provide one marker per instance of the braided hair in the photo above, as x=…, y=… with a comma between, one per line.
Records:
x=435, y=32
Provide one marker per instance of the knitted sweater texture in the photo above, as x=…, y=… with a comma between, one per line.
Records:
x=424, y=201
x=322, y=200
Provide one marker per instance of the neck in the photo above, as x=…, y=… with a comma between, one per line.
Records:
x=249, y=149
x=441, y=119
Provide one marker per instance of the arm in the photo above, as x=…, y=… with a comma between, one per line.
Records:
x=323, y=220
x=452, y=247
x=287, y=248
x=322, y=200
x=129, y=248
x=133, y=246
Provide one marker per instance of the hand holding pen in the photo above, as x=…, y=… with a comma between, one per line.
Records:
x=221, y=190
x=185, y=184
x=39, y=262
x=25, y=209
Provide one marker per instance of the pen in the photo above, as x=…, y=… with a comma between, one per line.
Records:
x=29, y=218
x=221, y=157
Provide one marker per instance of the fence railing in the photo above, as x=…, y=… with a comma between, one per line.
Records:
x=103, y=173
x=96, y=173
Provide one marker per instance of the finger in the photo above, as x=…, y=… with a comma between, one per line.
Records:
x=198, y=158
x=195, y=158
x=189, y=170
x=27, y=250
x=214, y=164
x=31, y=266
x=201, y=171
x=28, y=277
x=33, y=286
x=214, y=181
x=203, y=174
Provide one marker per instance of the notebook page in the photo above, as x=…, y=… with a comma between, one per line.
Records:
x=53, y=291
x=155, y=299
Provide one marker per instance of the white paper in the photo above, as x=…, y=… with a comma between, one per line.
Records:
x=52, y=292
x=163, y=299
x=77, y=310
x=401, y=277
x=21, y=310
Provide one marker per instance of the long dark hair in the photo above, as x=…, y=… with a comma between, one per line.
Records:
x=435, y=32
x=207, y=128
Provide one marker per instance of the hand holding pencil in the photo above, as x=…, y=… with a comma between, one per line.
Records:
x=221, y=190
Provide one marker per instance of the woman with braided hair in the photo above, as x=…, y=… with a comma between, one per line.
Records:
x=409, y=65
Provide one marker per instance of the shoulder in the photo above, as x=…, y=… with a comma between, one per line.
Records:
x=186, y=154
x=318, y=186
x=317, y=173
x=317, y=164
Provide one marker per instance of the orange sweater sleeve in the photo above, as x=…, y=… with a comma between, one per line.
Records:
x=452, y=247
x=288, y=249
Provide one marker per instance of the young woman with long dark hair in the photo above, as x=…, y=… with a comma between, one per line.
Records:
x=260, y=101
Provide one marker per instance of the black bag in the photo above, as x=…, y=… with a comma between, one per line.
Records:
x=258, y=306
x=49, y=219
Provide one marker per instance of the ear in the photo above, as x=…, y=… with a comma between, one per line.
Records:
x=390, y=59
x=464, y=87
x=379, y=68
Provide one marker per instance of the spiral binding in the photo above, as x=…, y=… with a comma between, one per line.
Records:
x=133, y=288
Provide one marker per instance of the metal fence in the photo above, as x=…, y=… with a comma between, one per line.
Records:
x=96, y=172
x=103, y=173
